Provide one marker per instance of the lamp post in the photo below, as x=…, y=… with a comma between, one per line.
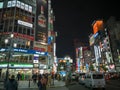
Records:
x=9, y=40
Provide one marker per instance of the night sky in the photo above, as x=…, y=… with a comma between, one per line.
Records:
x=73, y=20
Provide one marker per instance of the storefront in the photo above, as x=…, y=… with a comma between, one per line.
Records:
x=21, y=61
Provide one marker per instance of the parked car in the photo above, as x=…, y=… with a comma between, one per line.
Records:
x=95, y=80
x=81, y=79
x=73, y=76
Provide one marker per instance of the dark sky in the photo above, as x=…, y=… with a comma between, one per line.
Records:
x=73, y=19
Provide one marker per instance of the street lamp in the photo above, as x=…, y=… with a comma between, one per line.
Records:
x=9, y=40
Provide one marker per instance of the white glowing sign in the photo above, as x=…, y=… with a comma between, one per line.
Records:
x=20, y=5
x=25, y=23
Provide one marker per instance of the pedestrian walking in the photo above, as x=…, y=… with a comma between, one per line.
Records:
x=49, y=80
x=39, y=84
x=58, y=77
x=11, y=84
x=39, y=76
x=19, y=76
x=44, y=82
x=22, y=76
x=34, y=77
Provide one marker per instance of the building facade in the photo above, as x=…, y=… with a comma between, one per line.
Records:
x=30, y=31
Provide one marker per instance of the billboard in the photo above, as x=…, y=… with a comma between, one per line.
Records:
x=97, y=25
x=91, y=40
x=40, y=47
x=41, y=21
x=19, y=5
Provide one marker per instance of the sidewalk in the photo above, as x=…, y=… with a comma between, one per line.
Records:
x=29, y=85
x=26, y=84
x=55, y=88
x=58, y=88
x=1, y=85
x=56, y=85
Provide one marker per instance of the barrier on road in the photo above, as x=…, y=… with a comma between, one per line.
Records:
x=29, y=83
x=2, y=85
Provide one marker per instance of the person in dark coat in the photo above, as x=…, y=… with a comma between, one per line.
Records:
x=34, y=77
x=11, y=84
x=19, y=76
x=39, y=84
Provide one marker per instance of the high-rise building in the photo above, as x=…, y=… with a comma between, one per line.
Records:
x=27, y=21
x=17, y=17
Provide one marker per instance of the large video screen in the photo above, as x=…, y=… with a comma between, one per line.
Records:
x=1, y=4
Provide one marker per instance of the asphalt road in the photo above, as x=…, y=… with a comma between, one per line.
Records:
x=77, y=86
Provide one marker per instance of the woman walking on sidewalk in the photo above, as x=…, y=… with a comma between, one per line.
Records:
x=49, y=81
x=44, y=82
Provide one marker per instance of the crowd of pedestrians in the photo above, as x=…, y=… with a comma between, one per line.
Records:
x=41, y=80
x=112, y=76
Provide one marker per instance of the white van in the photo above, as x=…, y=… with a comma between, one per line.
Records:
x=95, y=80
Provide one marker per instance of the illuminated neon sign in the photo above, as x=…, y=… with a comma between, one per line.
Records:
x=25, y=51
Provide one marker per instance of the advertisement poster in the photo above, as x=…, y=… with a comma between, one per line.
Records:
x=41, y=21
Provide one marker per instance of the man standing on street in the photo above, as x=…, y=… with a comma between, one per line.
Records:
x=11, y=84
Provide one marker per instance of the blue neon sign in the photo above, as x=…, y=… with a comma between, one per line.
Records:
x=25, y=51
